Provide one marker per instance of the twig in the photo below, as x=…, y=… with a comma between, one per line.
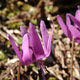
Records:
x=72, y=58
x=7, y=1
x=18, y=78
x=13, y=21
x=37, y=8
x=39, y=4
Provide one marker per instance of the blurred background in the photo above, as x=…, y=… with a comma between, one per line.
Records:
x=13, y=14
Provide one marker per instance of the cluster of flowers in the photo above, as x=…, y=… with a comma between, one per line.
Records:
x=32, y=49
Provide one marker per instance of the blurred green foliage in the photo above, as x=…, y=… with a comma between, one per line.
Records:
x=52, y=78
x=14, y=25
x=19, y=40
x=2, y=56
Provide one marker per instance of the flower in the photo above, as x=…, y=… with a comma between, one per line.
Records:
x=77, y=17
x=32, y=50
x=71, y=31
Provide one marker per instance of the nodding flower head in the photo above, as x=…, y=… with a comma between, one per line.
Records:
x=32, y=49
x=71, y=30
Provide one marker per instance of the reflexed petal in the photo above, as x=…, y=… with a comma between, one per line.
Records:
x=44, y=34
x=27, y=53
x=23, y=31
x=75, y=33
x=78, y=7
x=77, y=15
x=74, y=20
x=15, y=48
x=67, y=20
x=64, y=27
x=49, y=42
x=36, y=44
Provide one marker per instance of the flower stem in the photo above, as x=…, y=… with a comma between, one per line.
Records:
x=72, y=58
x=41, y=72
x=18, y=78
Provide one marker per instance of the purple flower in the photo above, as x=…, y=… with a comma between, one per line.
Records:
x=32, y=49
x=69, y=29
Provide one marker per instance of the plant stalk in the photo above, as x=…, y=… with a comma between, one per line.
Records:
x=18, y=78
x=72, y=58
x=41, y=72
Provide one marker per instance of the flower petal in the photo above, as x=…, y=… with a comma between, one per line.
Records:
x=74, y=20
x=75, y=33
x=77, y=16
x=49, y=42
x=67, y=20
x=23, y=31
x=35, y=43
x=27, y=53
x=64, y=27
x=15, y=48
x=44, y=34
x=78, y=7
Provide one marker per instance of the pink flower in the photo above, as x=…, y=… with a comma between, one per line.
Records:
x=32, y=49
x=69, y=29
